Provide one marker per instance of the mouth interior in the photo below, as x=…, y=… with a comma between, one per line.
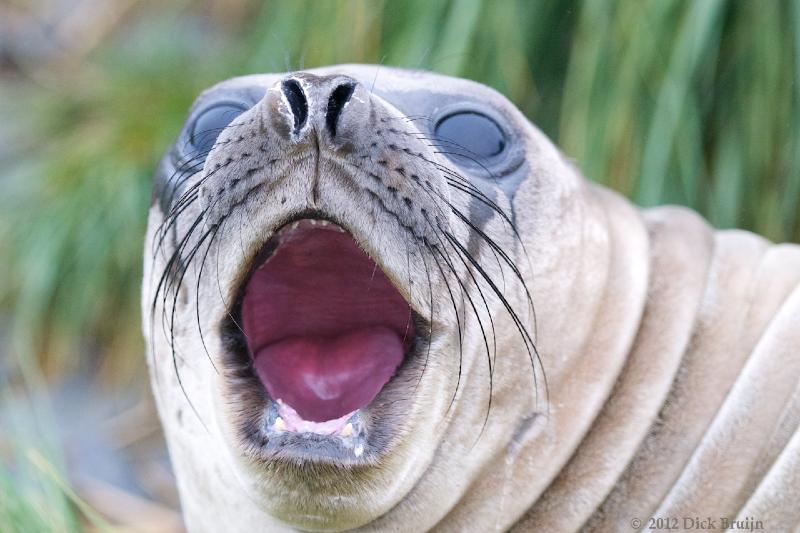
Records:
x=324, y=325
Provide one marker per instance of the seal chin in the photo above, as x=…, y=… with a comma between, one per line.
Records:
x=326, y=333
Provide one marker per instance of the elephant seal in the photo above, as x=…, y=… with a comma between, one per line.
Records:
x=382, y=300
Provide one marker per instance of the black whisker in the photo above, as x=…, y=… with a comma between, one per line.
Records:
x=197, y=295
x=483, y=331
x=431, y=321
x=432, y=249
x=530, y=345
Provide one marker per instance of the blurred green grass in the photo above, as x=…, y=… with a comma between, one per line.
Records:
x=667, y=101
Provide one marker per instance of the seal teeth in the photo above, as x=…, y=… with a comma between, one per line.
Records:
x=309, y=223
x=347, y=430
x=279, y=424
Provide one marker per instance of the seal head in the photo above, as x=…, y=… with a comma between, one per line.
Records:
x=333, y=251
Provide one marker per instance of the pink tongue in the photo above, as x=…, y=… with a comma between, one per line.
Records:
x=324, y=378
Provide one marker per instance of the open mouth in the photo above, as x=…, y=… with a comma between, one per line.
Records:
x=325, y=329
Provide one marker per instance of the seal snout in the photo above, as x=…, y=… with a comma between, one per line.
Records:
x=319, y=104
x=336, y=201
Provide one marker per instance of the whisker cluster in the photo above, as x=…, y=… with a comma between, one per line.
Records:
x=182, y=243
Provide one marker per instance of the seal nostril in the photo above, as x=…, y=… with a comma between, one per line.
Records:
x=297, y=101
x=339, y=97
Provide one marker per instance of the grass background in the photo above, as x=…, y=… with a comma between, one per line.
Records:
x=667, y=101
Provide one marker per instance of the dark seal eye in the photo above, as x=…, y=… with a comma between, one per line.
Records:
x=210, y=123
x=472, y=135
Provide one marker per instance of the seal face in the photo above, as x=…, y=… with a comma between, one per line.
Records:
x=340, y=276
x=324, y=248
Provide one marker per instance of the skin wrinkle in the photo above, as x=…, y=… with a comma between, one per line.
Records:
x=591, y=467
x=654, y=331
x=730, y=413
x=698, y=370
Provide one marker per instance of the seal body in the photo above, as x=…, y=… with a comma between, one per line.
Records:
x=570, y=362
